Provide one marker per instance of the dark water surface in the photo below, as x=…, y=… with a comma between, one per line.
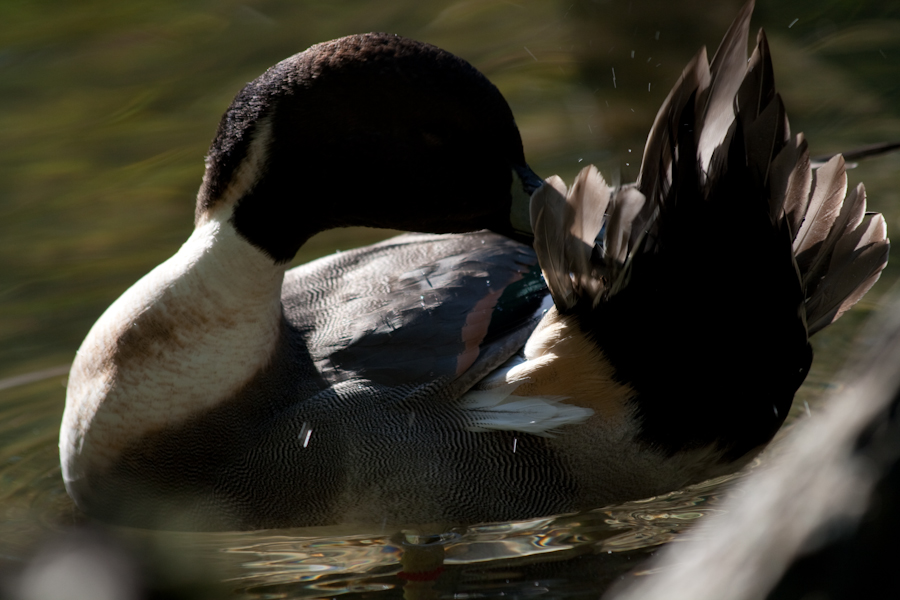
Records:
x=106, y=110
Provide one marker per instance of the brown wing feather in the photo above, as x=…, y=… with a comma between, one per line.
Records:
x=728, y=70
x=856, y=263
x=658, y=151
x=796, y=195
x=566, y=225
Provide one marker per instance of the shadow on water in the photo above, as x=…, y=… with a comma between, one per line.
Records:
x=106, y=110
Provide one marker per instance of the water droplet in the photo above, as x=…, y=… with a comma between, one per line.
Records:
x=305, y=434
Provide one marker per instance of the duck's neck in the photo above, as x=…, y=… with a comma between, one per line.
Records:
x=184, y=338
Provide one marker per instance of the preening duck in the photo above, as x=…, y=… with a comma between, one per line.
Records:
x=613, y=343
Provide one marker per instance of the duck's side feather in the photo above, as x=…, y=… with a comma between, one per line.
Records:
x=445, y=306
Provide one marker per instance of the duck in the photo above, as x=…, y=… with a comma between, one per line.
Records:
x=527, y=349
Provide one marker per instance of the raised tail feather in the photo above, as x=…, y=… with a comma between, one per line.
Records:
x=702, y=282
x=586, y=237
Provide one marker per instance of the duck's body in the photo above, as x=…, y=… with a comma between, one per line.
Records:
x=357, y=413
x=436, y=378
x=335, y=394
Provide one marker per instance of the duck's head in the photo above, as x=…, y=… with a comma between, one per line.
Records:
x=374, y=130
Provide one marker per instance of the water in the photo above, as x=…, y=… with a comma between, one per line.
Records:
x=106, y=110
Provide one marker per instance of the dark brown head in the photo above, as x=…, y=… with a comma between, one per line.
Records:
x=374, y=130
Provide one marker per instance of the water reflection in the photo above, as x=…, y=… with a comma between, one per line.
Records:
x=106, y=110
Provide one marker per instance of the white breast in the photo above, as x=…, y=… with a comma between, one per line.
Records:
x=182, y=339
